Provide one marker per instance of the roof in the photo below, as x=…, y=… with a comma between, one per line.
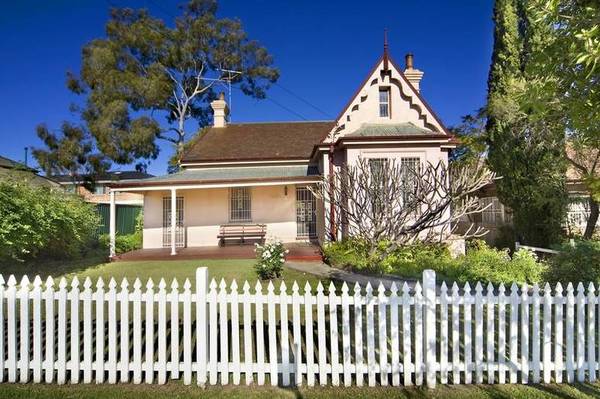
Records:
x=258, y=141
x=229, y=174
x=390, y=130
x=104, y=177
x=10, y=164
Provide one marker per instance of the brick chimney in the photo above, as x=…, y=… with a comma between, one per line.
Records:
x=413, y=75
x=220, y=110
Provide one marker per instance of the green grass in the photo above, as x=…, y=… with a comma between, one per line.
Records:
x=95, y=267
x=175, y=390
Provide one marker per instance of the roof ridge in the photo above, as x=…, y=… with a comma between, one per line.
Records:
x=274, y=122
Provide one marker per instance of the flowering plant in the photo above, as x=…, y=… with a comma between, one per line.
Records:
x=269, y=260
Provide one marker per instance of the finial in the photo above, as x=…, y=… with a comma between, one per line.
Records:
x=385, y=50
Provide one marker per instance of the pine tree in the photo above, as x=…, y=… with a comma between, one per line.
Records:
x=527, y=153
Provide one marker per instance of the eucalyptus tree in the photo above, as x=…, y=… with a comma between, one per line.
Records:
x=146, y=80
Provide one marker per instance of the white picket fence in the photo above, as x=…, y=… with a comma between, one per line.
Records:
x=425, y=334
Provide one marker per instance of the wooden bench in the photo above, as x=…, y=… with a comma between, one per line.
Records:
x=242, y=232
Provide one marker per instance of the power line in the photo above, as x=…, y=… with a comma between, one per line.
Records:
x=303, y=100
x=281, y=106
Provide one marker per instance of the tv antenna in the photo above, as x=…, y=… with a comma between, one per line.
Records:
x=227, y=76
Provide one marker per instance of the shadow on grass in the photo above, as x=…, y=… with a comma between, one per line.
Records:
x=53, y=267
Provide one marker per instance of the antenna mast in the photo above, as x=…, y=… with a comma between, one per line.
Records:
x=231, y=74
x=226, y=78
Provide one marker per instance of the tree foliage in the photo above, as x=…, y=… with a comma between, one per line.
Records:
x=563, y=86
x=38, y=221
x=525, y=150
x=146, y=79
x=472, y=138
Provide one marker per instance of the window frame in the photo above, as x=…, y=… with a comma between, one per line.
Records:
x=387, y=104
x=406, y=182
x=236, y=214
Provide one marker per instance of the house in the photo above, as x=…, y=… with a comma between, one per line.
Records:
x=251, y=179
x=94, y=189
x=10, y=169
x=496, y=215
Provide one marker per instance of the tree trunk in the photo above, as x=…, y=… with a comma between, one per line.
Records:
x=592, y=220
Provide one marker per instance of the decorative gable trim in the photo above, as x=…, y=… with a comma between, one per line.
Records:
x=408, y=93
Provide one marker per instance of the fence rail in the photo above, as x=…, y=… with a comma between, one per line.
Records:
x=221, y=334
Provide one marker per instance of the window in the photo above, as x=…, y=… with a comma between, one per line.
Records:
x=99, y=189
x=240, y=204
x=378, y=168
x=494, y=214
x=409, y=168
x=384, y=102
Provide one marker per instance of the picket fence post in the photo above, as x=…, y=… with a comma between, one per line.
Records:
x=201, y=324
x=429, y=318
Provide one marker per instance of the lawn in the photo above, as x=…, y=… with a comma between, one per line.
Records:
x=95, y=266
x=175, y=390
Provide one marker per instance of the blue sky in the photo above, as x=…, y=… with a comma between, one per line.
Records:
x=322, y=48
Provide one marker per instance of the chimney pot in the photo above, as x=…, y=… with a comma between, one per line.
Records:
x=409, y=61
x=413, y=75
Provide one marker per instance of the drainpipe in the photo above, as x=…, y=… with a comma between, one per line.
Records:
x=333, y=228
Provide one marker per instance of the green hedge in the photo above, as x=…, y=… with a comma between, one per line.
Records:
x=40, y=222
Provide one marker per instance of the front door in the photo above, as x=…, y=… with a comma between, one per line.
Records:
x=166, y=223
x=306, y=213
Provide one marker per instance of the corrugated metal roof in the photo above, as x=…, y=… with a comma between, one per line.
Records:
x=102, y=177
x=388, y=129
x=230, y=173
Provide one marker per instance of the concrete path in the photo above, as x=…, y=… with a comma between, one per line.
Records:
x=322, y=270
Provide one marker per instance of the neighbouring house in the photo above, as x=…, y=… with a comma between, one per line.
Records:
x=94, y=189
x=19, y=171
x=251, y=180
x=497, y=215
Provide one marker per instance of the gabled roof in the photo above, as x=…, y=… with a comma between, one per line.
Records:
x=103, y=177
x=420, y=103
x=258, y=141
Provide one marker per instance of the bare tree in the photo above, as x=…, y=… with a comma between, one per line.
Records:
x=383, y=199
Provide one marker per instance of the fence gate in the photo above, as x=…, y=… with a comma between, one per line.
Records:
x=166, y=223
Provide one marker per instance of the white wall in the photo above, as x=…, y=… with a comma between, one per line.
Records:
x=206, y=209
x=432, y=153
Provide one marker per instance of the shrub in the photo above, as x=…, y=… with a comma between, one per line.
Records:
x=38, y=221
x=349, y=254
x=123, y=243
x=483, y=263
x=575, y=263
x=269, y=260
